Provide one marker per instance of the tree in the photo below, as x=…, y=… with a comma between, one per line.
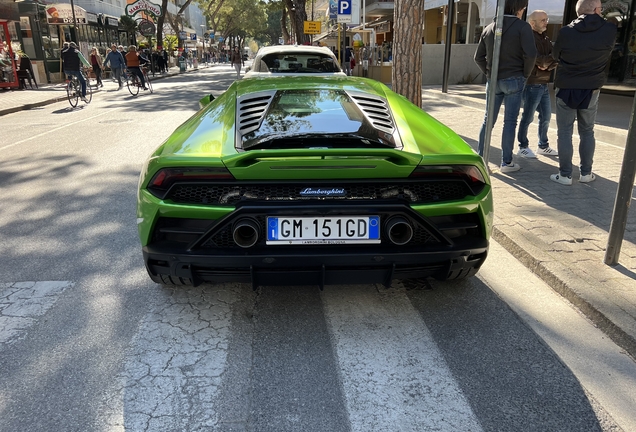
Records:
x=406, y=78
x=130, y=25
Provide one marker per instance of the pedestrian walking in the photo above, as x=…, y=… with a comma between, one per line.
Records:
x=516, y=60
x=117, y=64
x=236, y=60
x=536, y=94
x=97, y=65
x=347, y=60
x=582, y=49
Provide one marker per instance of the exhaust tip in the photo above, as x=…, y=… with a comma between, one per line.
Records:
x=399, y=231
x=245, y=232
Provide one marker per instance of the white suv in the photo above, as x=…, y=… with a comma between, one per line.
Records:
x=294, y=60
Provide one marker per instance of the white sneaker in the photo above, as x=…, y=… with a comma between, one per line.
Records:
x=587, y=178
x=526, y=152
x=548, y=151
x=561, y=179
x=511, y=167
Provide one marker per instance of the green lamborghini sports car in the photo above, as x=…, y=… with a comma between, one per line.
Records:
x=312, y=180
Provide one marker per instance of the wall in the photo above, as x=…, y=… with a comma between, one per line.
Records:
x=461, y=64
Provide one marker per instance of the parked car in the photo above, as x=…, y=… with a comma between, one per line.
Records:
x=294, y=60
x=321, y=180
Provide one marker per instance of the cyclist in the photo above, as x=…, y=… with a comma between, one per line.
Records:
x=72, y=60
x=134, y=60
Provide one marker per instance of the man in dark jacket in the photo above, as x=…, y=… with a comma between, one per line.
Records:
x=536, y=95
x=72, y=61
x=583, y=49
x=516, y=61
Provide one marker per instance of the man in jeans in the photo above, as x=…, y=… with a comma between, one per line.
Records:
x=117, y=64
x=536, y=96
x=516, y=61
x=583, y=49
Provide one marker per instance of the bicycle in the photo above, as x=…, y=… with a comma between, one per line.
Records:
x=74, y=89
x=134, y=83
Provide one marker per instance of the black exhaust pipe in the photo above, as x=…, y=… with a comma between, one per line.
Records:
x=245, y=232
x=399, y=230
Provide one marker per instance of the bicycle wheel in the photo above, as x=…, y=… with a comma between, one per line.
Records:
x=148, y=83
x=132, y=81
x=73, y=92
x=89, y=90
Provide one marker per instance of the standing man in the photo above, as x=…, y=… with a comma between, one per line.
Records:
x=516, y=61
x=117, y=64
x=536, y=95
x=237, y=60
x=583, y=49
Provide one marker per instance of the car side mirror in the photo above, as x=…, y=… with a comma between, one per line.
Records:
x=205, y=101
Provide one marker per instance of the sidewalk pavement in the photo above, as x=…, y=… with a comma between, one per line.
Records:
x=12, y=101
x=559, y=232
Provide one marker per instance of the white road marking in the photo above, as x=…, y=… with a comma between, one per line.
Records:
x=21, y=303
x=393, y=375
x=603, y=369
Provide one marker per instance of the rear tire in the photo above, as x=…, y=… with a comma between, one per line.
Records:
x=133, y=84
x=459, y=274
x=73, y=92
x=89, y=90
x=170, y=280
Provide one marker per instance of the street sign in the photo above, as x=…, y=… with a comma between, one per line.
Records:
x=344, y=11
x=146, y=28
x=312, y=27
x=206, y=35
x=182, y=35
x=193, y=36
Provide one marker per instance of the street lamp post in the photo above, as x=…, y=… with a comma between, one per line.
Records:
x=203, y=26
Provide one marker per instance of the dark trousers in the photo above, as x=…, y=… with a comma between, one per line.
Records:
x=98, y=74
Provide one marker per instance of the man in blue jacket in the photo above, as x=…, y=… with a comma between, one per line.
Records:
x=516, y=60
x=117, y=63
x=583, y=49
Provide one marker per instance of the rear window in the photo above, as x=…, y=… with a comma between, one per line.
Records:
x=316, y=115
x=298, y=63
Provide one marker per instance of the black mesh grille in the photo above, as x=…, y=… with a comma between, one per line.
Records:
x=229, y=194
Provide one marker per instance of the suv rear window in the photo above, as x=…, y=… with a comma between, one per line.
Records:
x=298, y=63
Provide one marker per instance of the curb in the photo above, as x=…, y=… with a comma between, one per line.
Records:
x=565, y=290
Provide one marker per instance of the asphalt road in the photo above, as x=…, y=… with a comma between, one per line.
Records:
x=89, y=343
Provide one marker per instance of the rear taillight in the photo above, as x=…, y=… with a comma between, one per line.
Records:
x=467, y=173
x=166, y=177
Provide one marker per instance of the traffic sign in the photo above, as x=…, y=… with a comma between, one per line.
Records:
x=206, y=35
x=312, y=27
x=344, y=11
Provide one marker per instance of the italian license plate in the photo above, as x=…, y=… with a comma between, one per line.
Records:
x=323, y=230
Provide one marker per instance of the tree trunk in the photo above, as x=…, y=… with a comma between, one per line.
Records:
x=406, y=77
x=160, y=20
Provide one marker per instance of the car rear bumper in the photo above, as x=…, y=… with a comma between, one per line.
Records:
x=295, y=266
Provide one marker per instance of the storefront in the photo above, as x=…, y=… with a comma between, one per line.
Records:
x=9, y=16
x=43, y=29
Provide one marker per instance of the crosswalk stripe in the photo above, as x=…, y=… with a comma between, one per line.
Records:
x=22, y=303
x=393, y=375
